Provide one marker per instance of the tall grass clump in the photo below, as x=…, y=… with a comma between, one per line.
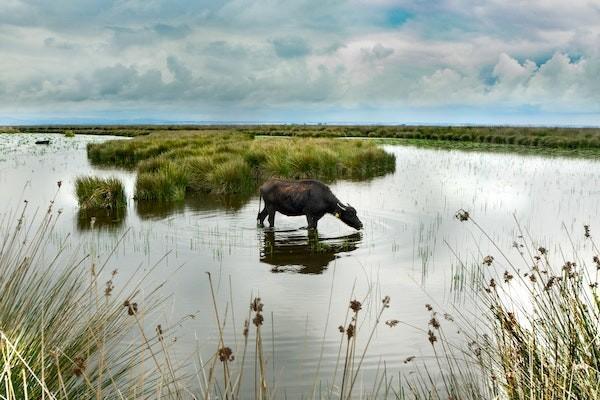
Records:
x=535, y=335
x=166, y=183
x=171, y=165
x=100, y=193
x=66, y=330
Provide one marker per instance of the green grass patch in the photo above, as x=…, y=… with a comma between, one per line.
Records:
x=171, y=165
x=100, y=193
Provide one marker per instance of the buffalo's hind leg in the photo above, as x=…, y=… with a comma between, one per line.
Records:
x=272, y=218
x=260, y=218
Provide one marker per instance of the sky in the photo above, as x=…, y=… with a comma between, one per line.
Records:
x=533, y=62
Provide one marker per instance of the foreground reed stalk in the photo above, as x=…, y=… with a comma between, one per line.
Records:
x=537, y=333
x=58, y=337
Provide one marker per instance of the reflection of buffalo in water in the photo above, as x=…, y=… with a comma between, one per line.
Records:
x=292, y=251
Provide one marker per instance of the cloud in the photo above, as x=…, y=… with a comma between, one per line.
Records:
x=377, y=52
x=291, y=47
x=55, y=43
x=234, y=54
x=147, y=35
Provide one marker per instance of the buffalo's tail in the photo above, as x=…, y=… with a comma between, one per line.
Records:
x=259, y=201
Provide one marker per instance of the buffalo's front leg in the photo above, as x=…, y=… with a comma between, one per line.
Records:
x=312, y=221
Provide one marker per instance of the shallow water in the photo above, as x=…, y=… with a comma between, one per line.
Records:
x=306, y=281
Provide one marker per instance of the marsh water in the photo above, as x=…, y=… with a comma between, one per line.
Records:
x=411, y=248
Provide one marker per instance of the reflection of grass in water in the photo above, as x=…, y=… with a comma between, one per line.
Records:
x=171, y=165
x=101, y=219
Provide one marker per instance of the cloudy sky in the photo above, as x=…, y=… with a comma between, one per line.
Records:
x=394, y=61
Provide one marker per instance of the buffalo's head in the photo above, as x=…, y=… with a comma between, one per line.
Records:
x=348, y=216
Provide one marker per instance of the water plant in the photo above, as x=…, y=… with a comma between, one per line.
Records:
x=100, y=193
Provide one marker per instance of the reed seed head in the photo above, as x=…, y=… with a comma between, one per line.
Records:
x=386, y=302
x=258, y=320
x=132, y=308
x=109, y=288
x=355, y=306
x=256, y=305
x=462, y=215
x=350, y=331
x=79, y=366
x=226, y=354
x=431, y=337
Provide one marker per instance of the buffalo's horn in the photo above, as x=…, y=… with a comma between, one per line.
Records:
x=341, y=206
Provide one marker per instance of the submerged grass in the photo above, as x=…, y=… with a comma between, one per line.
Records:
x=100, y=193
x=171, y=165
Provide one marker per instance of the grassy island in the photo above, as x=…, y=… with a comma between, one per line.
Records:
x=171, y=165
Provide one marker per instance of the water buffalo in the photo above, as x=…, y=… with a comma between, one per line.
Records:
x=305, y=197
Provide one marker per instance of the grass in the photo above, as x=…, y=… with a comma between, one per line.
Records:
x=170, y=166
x=578, y=152
x=536, y=333
x=95, y=193
x=566, y=139
x=64, y=331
